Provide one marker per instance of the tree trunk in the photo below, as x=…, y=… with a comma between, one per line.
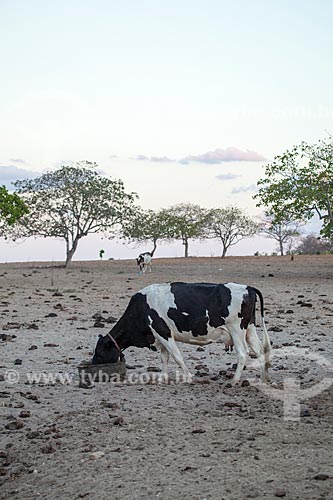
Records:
x=224, y=251
x=70, y=251
x=330, y=213
x=281, y=247
x=185, y=243
x=153, y=250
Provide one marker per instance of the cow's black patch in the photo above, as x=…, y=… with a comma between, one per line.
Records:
x=159, y=325
x=188, y=323
x=195, y=299
x=132, y=329
x=248, y=308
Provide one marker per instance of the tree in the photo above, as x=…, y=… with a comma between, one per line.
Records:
x=230, y=225
x=11, y=209
x=71, y=203
x=147, y=225
x=312, y=245
x=283, y=231
x=186, y=221
x=299, y=183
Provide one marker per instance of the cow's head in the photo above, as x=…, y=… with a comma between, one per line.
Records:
x=105, y=351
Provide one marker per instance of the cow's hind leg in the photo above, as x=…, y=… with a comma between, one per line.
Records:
x=257, y=347
x=239, y=340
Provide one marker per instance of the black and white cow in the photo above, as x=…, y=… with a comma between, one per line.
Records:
x=144, y=261
x=195, y=313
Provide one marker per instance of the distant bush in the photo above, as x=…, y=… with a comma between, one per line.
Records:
x=313, y=245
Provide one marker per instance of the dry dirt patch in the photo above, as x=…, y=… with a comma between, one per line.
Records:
x=147, y=441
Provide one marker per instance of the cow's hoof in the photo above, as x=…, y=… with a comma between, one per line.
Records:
x=188, y=379
x=163, y=378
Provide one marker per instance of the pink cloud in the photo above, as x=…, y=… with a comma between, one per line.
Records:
x=224, y=155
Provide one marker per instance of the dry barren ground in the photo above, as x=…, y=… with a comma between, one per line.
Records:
x=197, y=441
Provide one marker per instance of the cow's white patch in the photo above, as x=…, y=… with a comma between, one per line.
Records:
x=159, y=298
x=237, y=295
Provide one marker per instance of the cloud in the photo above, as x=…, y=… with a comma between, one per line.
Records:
x=112, y=157
x=18, y=160
x=140, y=158
x=11, y=173
x=156, y=159
x=223, y=155
x=226, y=177
x=245, y=189
x=217, y=156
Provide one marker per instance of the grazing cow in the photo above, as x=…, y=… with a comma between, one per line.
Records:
x=194, y=313
x=144, y=261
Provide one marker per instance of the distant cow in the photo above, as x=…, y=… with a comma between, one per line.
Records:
x=195, y=313
x=144, y=261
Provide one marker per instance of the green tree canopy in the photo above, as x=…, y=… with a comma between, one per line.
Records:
x=71, y=203
x=299, y=183
x=147, y=226
x=12, y=207
x=186, y=221
x=230, y=225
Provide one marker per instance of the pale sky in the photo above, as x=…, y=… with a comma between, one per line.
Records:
x=185, y=101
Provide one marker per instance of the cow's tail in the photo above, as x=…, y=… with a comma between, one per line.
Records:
x=266, y=340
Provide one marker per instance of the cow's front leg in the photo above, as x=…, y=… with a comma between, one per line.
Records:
x=178, y=357
x=163, y=377
x=172, y=348
x=165, y=360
